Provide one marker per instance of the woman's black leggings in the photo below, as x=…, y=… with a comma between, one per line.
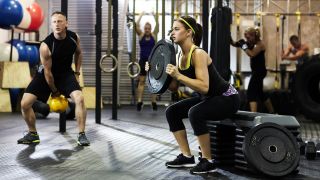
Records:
x=200, y=110
x=255, y=87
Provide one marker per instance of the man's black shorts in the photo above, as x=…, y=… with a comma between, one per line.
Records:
x=66, y=83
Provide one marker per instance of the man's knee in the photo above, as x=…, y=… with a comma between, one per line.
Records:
x=78, y=97
x=26, y=103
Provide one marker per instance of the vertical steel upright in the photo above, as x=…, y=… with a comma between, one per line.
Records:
x=98, y=31
x=115, y=53
x=205, y=24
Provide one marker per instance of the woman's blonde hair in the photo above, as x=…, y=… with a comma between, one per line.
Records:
x=253, y=30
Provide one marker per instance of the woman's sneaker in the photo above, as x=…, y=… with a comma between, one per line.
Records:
x=30, y=138
x=139, y=106
x=204, y=166
x=181, y=161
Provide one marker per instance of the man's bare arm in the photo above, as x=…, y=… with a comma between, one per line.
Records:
x=78, y=56
x=46, y=61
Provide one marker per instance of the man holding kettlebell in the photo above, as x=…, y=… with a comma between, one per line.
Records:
x=56, y=77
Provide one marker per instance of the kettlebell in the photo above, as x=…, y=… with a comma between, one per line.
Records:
x=58, y=104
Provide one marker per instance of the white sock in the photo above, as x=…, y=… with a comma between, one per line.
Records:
x=187, y=156
x=211, y=160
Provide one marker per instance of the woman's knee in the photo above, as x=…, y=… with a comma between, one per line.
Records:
x=194, y=114
x=170, y=112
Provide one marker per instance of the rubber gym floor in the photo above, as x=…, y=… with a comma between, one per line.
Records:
x=134, y=147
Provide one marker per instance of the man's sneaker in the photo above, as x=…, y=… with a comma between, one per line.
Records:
x=204, y=166
x=82, y=140
x=154, y=106
x=181, y=161
x=30, y=138
x=139, y=106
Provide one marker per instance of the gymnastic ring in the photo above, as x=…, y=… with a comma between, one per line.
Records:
x=129, y=70
x=115, y=60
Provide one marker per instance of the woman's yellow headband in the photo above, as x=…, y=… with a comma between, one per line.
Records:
x=188, y=25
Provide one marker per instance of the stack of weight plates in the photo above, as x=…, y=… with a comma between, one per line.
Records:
x=256, y=142
x=240, y=161
x=222, y=137
x=266, y=143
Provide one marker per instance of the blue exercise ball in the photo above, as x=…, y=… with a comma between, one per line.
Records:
x=36, y=56
x=21, y=47
x=14, y=94
x=11, y=13
x=33, y=54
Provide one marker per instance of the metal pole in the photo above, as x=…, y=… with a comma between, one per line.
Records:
x=276, y=81
x=288, y=20
x=157, y=17
x=299, y=20
x=205, y=23
x=11, y=46
x=172, y=11
x=163, y=19
x=186, y=8
x=64, y=7
x=115, y=53
x=98, y=31
x=309, y=5
x=134, y=37
x=195, y=9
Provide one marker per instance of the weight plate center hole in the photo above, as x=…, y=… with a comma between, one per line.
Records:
x=273, y=149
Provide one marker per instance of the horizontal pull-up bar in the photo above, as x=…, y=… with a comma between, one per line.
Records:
x=167, y=13
x=274, y=14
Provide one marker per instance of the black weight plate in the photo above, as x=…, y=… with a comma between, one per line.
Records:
x=271, y=149
x=239, y=156
x=240, y=137
x=222, y=142
x=71, y=110
x=222, y=134
x=220, y=139
x=162, y=54
x=238, y=149
x=41, y=109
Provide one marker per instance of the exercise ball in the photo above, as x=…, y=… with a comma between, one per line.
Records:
x=11, y=13
x=58, y=104
x=26, y=3
x=25, y=22
x=33, y=54
x=14, y=96
x=21, y=47
x=36, y=56
x=37, y=16
x=5, y=52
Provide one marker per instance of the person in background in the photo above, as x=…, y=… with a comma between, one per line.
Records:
x=254, y=47
x=296, y=51
x=146, y=41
